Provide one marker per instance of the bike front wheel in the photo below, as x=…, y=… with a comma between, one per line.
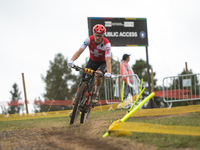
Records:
x=85, y=114
x=80, y=96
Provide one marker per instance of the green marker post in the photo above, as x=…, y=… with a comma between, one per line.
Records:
x=137, y=107
x=132, y=111
x=136, y=100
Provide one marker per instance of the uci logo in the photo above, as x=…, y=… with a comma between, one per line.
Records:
x=142, y=34
x=84, y=43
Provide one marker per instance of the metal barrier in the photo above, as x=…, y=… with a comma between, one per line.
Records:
x=181, y=88
x=114, y=88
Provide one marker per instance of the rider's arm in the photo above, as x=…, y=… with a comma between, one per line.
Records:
x=81, y=49
x=77, y=54
x=108, y=64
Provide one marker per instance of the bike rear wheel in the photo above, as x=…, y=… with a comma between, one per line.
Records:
x=80, y=96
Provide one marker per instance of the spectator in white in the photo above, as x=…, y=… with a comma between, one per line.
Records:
x=125, y=70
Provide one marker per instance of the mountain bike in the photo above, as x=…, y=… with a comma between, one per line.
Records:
x=83, y=99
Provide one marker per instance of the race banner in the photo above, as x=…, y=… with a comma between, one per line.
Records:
x=122, y=31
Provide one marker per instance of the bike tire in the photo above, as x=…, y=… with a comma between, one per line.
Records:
x=80, y=96
x=85, y=114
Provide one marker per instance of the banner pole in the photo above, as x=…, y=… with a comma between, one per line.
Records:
x=122, y=96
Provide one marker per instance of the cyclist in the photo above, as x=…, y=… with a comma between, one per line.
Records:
x=100, y=56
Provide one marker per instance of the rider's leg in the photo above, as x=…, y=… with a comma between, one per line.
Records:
x=98, y=82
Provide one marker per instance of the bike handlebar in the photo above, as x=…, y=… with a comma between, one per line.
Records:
x=87, y=70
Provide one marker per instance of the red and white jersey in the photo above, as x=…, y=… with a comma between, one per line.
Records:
x=97, y=52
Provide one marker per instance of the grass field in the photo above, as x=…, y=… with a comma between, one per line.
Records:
x=100, y=122
x=168, y=140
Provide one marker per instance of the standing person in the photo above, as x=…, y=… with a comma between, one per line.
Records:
x=100, y=56
x=125, y=70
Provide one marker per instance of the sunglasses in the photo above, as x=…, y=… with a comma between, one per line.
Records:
x=98, y=35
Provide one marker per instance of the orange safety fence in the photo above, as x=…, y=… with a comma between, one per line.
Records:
x=178, y=93
x=12, y=103
x=47, y=102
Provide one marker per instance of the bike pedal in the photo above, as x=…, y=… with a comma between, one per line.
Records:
x=70, y=115
x=91, y=105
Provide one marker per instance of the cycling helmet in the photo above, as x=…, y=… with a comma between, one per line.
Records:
x=99, y=29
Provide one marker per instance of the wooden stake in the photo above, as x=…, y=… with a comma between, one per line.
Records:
x=186, y=68
x=25, y=93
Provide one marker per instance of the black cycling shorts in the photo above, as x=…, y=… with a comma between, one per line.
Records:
x=94, y=65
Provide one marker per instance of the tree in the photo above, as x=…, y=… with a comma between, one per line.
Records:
x=57, y=81
x=140, y=68
x=114, y=64
x=15, y=97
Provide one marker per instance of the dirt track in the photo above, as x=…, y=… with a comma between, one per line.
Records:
x=70, y=137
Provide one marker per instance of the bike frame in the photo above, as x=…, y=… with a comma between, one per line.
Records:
x=89, y=80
